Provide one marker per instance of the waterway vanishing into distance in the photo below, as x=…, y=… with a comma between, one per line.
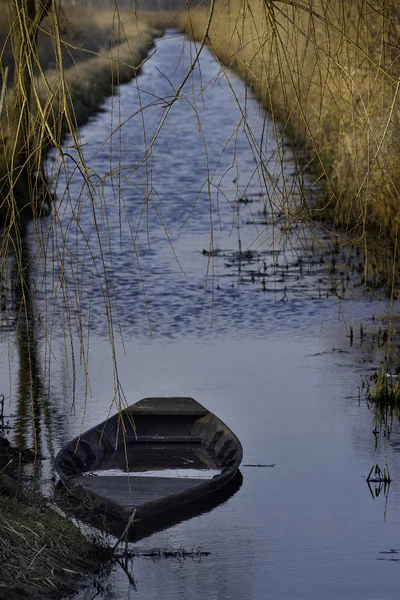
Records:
x=212, y=295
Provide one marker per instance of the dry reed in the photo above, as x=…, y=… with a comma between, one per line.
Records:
x=328, y=70
x=41, y=553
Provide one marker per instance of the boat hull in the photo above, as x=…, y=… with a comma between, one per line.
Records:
x=152, y=435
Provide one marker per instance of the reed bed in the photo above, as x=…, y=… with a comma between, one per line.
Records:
x=384, y=389
x=328, y=70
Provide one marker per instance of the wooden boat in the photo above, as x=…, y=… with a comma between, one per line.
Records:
x=154, y=456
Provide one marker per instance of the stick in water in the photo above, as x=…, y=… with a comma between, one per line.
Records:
x=131, y=518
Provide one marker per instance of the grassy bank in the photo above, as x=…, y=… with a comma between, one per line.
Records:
x=87, y=83
x=81, y=56
x=328, y=71
x=41, y=553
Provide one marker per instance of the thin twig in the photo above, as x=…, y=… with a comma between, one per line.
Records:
x=3, y=90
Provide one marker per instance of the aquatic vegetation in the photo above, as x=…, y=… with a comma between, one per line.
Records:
x=384, y=388
x=159, y=553
x=379, y=481
x=376, y=475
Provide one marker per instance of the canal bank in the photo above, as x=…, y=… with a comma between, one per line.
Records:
x=43, y=554
x=71, y=82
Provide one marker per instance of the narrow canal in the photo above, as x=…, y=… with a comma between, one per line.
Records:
x=211, y=295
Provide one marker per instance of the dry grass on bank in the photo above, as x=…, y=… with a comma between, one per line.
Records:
x=86, y=84
x=82, y=55
x=40, y=553
x=84, y=32
x=328, y=70
x=95, y=50
x=88, y=48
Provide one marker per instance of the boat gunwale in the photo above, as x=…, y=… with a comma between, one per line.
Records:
x=157, y=506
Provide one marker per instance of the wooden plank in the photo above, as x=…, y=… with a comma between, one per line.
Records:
x=170, y=439
x=126, y=494
x=168, y=406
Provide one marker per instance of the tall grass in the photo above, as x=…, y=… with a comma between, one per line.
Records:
x=328, y=70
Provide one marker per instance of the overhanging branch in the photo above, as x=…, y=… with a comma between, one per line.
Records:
x=41, y=12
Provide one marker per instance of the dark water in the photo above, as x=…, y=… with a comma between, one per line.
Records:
x=244, y=317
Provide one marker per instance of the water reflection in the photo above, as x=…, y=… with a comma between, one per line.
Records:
x=384, y=415
x=32, y=424
x=30, y=386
